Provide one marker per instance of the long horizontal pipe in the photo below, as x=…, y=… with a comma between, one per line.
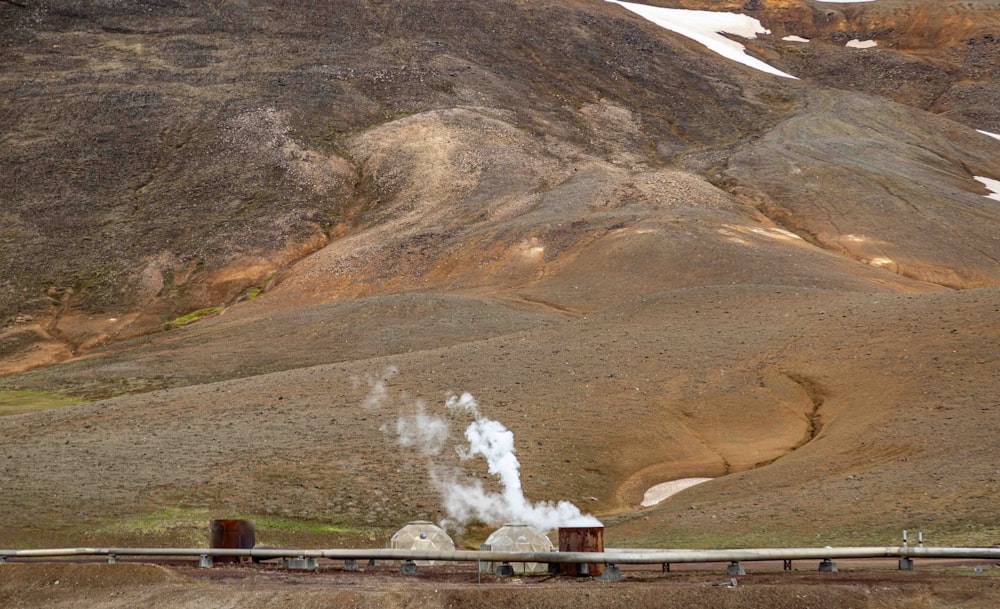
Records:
x=623, y=556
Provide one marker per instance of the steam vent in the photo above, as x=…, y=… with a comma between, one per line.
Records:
x=518, y=538
x=422, y=535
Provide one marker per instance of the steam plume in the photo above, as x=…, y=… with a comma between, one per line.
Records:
x=464, y=499
x=378, y=393
x=426, y=433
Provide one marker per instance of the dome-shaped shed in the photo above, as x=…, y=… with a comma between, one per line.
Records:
x=422, y=535
x=518, y=538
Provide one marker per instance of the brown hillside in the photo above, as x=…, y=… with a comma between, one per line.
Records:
x=229, y=225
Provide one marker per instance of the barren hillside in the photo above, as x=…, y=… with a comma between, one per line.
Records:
x=249, y=237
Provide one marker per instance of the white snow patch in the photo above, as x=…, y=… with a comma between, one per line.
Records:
x=531, y=248
x=881, y=262
x=706, y=28
x=661, y=492
x=861, y=44
x=775, y=233
x=795, y=39
x=988, y=133
x=992, y=185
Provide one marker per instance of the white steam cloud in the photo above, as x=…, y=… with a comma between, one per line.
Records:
x=422, y=431
x=465, y=499
x=378, y=393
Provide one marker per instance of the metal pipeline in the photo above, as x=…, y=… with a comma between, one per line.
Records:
x=619, y=556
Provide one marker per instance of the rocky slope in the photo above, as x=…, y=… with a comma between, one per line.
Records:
x=233, y=218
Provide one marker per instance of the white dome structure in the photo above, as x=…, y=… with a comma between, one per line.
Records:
x=518, y=538
x=422, y=535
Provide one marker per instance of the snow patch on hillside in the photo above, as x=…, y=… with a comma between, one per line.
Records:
x=992, y=185
x=706, y=28
x=660, y=492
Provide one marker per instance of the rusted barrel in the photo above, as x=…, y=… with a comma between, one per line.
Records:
x=233, y=534
x=581, y=539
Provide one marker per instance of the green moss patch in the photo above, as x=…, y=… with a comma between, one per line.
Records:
x=299, y=526
x=19, y=402
x=192, y=317
x=190, y=527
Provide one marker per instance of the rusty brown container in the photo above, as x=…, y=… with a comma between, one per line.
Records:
x=581, y=539
x=233, y=534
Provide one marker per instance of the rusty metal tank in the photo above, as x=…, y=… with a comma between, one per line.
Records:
x=581, y=539
x=233, y=534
